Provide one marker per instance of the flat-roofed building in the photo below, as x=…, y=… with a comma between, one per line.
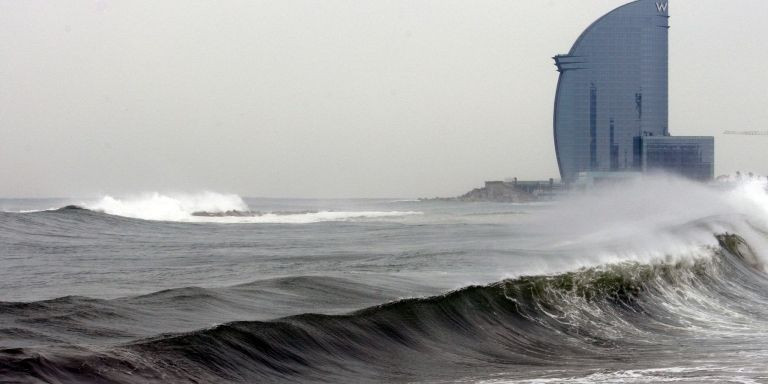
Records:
x=687, y=156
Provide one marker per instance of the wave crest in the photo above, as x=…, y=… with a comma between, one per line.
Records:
x=603, y=315
x=212, y=207
x=162, y=207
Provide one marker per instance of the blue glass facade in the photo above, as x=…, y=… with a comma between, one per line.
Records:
x=613, y=89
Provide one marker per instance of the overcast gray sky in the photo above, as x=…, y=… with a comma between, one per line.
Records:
x=308, y=98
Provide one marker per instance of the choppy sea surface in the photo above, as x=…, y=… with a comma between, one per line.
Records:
x=660, y=280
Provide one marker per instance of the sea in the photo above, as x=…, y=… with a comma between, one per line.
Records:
x=650, y=281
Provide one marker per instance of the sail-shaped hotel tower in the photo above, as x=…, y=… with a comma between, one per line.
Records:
x=611, y=103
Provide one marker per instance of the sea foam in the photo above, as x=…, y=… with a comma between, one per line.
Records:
x=212, y=207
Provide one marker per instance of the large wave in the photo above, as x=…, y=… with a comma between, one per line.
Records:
x=168, y=207
x=218, y=208
x=662, y=280
x=588, y=322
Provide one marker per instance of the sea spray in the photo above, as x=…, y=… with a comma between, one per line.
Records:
x=167, y=207
x=211, y=207
x=660, y=280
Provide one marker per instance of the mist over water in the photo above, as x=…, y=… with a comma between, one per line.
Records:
x=654, y=280
x=652, y=218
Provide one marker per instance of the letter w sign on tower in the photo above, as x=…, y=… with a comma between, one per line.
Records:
x=662, y=6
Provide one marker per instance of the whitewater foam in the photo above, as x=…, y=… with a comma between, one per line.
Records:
x=215, y=206
x=703, y=374
x=166, y=207
x=696, y=316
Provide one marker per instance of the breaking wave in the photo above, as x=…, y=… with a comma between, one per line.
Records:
x=607, y=315
x=214, y=207
x=162, y=207
x=655, y=289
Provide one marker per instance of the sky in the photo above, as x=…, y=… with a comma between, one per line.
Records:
x=330, y=98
